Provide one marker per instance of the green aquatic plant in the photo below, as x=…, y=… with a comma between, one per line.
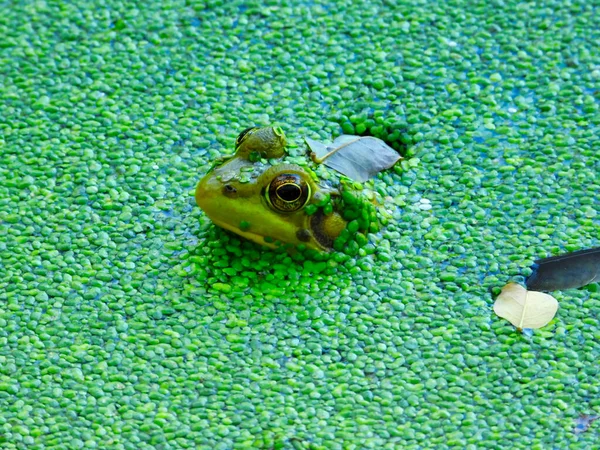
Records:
x=128, y=321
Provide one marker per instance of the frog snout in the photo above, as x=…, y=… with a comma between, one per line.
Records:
x=206, y=193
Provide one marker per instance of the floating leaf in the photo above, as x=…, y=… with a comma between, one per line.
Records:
x=523, y=308
x=583, y=422
x=357, y=157
x=571, y=270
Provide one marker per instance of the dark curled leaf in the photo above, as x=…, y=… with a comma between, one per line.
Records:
x=571, y=270
x=359, y=158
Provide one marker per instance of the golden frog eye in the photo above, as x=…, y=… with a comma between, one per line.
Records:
x=244, y=134
x=287, y=192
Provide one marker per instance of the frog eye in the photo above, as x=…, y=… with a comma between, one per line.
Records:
x=244, y=134
x=287, y=192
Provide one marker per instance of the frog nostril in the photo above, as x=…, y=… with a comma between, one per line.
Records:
x=229, y=189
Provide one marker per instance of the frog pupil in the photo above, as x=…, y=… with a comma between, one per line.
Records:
x=243, y=134
x=289, y=192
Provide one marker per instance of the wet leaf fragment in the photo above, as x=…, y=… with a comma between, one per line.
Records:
x=568, y=271
x=583, y=422
x=357, y=157
x=523, y=308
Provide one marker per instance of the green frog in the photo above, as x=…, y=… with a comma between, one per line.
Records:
x=263, y=196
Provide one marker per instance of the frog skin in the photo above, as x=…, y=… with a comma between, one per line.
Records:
x=259, y=196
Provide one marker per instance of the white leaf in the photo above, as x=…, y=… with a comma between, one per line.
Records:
x=523, y=308
x=359, y=158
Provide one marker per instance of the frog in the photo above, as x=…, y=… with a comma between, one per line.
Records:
x=262, y=196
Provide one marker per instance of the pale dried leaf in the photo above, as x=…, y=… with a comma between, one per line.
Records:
x=523, y=308
x=359, y=158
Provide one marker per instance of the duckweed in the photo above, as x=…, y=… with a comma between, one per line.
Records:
x=128, y=321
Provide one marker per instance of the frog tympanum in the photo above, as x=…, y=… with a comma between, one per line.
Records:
x=263, y=195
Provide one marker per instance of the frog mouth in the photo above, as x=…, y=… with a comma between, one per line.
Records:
x=245, y=234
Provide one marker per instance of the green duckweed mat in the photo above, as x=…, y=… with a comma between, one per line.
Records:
x=128, y=321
